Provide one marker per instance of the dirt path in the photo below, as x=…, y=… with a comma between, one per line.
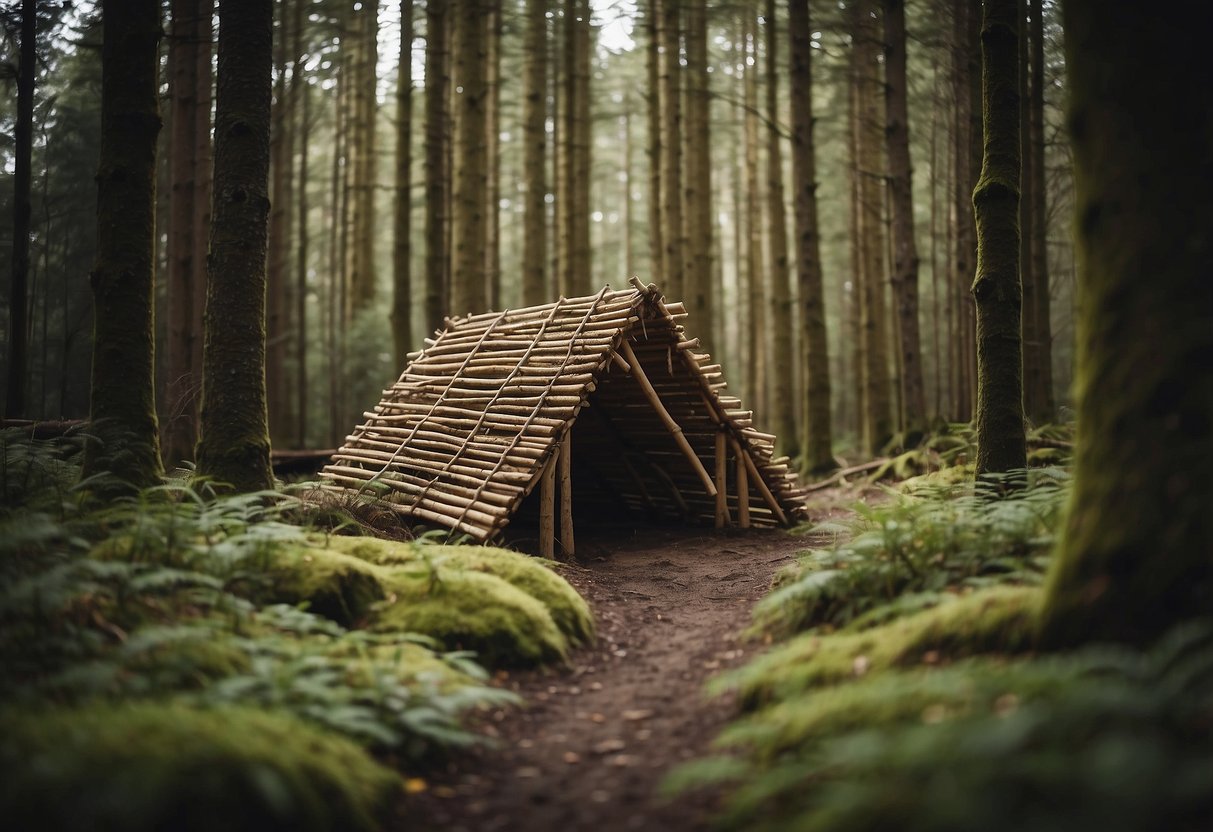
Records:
x=596, y=739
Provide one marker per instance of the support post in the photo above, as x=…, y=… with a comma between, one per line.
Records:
x=722, y=497
x=651, y=394
x=547, y=508
x=565, y=460
x=764, y=491
x=743, y=488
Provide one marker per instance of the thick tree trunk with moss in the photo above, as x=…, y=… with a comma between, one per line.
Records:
x=1136, y=555
x=437, y=118
x=234, y=447
x=816, y=437
x=402, y=246
x=125, y=440
x=534, y=166
x=905, y=251
x=996, y=289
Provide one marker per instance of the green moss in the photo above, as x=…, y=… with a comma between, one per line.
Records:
x=472, y=611
x=999, y=620
x=168, y=766
x=333, y=584
x=532, y=575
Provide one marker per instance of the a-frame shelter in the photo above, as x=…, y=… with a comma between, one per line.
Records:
x=599, y=402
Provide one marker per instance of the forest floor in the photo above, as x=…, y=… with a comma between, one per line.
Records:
x=594, y=741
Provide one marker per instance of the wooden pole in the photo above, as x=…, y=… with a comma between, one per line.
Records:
x=722, y=504
x=547, y=488
x=565, y=460
x=764, y=491
x=649, y=393
x=743, y=488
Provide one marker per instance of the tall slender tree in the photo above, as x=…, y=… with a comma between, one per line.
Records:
x=189, y=215
x=653, y=69
x=1134, y=557
x=755, y=324
x=492, y=149
x=437, y=125
x=363, y=159
x=234, y=446
x=469, y=287
x=1041, y=401
x=534, y=170
x=125, y=437
x=18, y=300
x=816, y=436
x=277, y=294
x=999, y=419
x=697, y=156
x=670, y=91
x=402, y=249
x=901, y=203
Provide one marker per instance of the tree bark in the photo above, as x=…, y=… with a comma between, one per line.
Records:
x=755, y=324
x=125, y=439
x=670, y=89
x=816, y=438
x=905, y=251
x=234, y=447
x=1001, y=444
x=492, y=127
x=303, y=91
x=436, y=126
x=402, y=248
x=469, y=289
x=18, y=303
x=697, y=288
x=361, y=254
x=1044, y=406
x=534, y=165
x=655, y=152
x=1136, y=555
x=782, y=387
x=189, y=216
x=277, y=300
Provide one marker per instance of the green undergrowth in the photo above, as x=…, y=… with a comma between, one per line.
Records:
x=172, y=766
x=905, y=687
x=240, y=618
x=919, y=549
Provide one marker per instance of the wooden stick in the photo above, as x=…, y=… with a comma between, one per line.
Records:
x=565, y=457
x=764, y=491
x=547, y=487
x=675, y=430
x=743, y=488
x=722, y=502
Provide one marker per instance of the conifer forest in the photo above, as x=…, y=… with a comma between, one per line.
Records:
x=662, y=415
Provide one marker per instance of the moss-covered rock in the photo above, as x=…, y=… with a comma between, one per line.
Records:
x=168, y=766
x=533, y=576
x=332, y=584
x=1001, y=620
x=471, y=611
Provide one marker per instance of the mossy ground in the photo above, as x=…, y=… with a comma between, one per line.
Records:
x=153, y=766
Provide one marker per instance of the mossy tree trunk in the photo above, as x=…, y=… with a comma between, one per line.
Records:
x=534, y=166
x=816, y=437
x=234, y=447
x=123, y=425
x=905, y=251
x=437, y=118
x=996, y=289
x=402, y=247
x=1136, y=555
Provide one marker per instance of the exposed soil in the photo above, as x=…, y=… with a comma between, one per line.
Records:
x=594, y=742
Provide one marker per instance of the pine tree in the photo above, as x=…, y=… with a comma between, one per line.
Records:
x=534, y=175
x=18, y=325
x=125, y=438
x=437, y=125
x=234, y=446
x=402, y=306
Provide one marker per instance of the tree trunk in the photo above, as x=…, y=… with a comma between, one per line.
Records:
x=655, y=152
x=402, y=249
x=1044, y=405
x=905, y=251
x=782, y=386
x=967, y=135
x=1027, y=277
x=1136, y=555
x=190, y=123
x=873, y=311
x=492, y=127
x=302, y=396
x=469, y=290
x=277, y=312
x=697, y=287
x=534, y=165
x=436, y=126
x=996, y=290
x=125, y=441
x=18, y=324
x=816, y=437
x=670, y=89
x=361, y=254
x=234, y=447
x=583, y=148
x=755, y=324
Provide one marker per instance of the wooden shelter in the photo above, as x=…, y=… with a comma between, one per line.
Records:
x=599, y=402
